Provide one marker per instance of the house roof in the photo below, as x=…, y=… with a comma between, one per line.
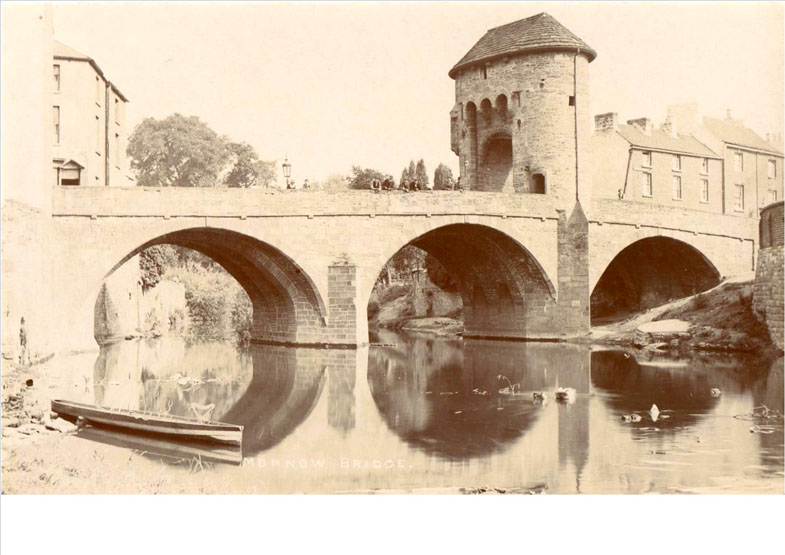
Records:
x=733, y=132
x=65, y=52
x=539, y=32
x=660, y=140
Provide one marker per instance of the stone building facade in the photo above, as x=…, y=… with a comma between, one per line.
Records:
x=713, y=165
x=88, y=131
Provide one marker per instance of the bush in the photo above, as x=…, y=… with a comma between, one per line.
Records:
x=387, y=295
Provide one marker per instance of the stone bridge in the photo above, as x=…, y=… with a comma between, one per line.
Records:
x=308, y=260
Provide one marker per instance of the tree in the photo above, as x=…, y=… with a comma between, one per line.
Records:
x=442, y=177
x=440, y=277
x=421, y=174
x=181, y=151
x=362, y=178
x=405, y=179
x=412, y=171
x=154, y=262
x=178, y=151
x=246, y=168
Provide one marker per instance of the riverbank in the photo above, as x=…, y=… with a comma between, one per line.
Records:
x=717, y=321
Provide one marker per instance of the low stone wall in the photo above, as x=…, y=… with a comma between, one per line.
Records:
x=767, y=294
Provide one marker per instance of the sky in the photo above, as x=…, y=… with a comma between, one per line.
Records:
x=332, y=85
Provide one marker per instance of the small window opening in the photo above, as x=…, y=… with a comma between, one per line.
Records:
x=484, y=71
x=572, y=101
x=538, y=184
x=519, y=125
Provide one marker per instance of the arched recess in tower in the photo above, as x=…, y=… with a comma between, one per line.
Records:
x=502, y=287
x=648, y=273
x=287, y=307
x=497, y=163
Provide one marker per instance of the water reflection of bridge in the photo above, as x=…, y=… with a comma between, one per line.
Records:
x=439, y=396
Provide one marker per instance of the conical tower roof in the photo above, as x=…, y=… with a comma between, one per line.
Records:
x=539, y=32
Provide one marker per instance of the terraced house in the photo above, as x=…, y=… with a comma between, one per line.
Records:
x=88, y=123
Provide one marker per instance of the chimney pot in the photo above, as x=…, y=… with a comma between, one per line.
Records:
x=606, y=122
x=642, y=124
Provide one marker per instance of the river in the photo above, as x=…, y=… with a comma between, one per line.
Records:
x=432, y=414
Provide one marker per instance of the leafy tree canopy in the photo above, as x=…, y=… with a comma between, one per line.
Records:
x=181, y=151
x=442, y=177
x=362, y=178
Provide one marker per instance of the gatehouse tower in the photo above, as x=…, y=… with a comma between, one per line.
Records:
x=521, y=119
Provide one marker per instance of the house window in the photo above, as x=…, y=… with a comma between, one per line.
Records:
x=70, y=176
x=56, y=116
x=704, y=190
x=117, y=111
x=676, y=187
x=772, y=166
x=738, y=161
x=646, y=184
x=98, y=91
x=771, y=196
x=738, y=197
x=97, y=135
x=705, y=166
x=484, y=72
x=646, y=159
x=117, y=148
x=676, y=162
x=57, y=77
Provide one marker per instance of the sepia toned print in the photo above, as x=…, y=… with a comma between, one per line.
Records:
x=309, y=260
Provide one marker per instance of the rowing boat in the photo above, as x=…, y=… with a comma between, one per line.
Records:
x=149, y=423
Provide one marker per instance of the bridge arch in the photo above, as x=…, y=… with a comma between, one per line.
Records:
x=491, y=269
x=648, y=272
x=287, y=305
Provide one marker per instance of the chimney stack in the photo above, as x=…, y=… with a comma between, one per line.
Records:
x=642, y=124
x=606, y=122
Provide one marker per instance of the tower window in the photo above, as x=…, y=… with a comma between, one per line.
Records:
x=57, y=76
x=704, y=190
x=705, y=165
x=572, y=101
x=772, y=169
x=538, y=184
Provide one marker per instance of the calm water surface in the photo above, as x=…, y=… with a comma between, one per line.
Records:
x=428, y=413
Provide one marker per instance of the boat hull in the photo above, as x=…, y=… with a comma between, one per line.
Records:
x=150, y=424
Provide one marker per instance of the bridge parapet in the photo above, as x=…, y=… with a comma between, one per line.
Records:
x=641, y=214
x=249, y=203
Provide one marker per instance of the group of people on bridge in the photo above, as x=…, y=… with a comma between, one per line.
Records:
x=388, y=184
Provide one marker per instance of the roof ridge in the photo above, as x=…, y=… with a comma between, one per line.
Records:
x=519, y=20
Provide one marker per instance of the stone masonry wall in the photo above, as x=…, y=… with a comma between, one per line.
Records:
x=767, y=293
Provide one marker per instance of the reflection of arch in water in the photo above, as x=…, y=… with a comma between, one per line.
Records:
x=418, y=401
x=633, y=387
x=284, y=390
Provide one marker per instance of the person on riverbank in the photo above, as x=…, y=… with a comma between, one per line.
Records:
x=24, y=356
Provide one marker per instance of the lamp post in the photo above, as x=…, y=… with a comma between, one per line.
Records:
x=287, y=170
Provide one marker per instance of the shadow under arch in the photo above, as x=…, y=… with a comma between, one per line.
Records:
x=648, y=273
x=490, y=267
x=287, y=306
